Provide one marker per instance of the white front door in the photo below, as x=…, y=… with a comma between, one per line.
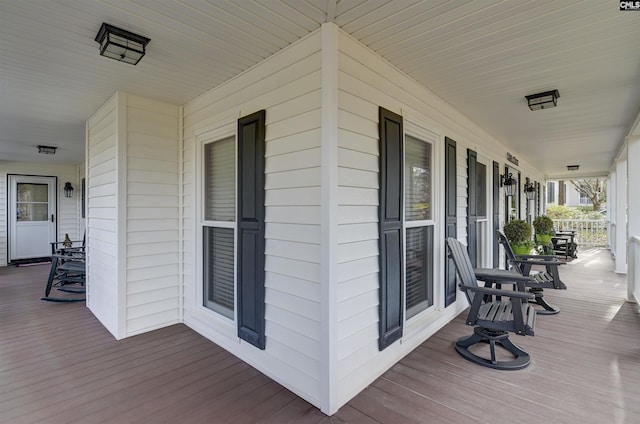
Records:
x=32, y=220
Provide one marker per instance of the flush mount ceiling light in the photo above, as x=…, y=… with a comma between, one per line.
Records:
x=120, y=44
x=47, y=150
x=573, y=167
x=545, y=100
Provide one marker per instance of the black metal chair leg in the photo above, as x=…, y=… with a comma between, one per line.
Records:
x=521, y=358
x=548, y=308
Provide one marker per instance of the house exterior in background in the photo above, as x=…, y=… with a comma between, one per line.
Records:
x=572, y=197
x=295, y=215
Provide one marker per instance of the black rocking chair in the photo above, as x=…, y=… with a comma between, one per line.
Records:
x=67, y=269
x=549, y=279
x=493, y=319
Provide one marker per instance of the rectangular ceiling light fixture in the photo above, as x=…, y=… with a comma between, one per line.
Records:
x=573, y=167
x=545, y=100
x=120, y=44
x=47, y=150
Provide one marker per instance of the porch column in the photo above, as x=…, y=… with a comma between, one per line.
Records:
x=633, y=212
x=611, y=210
x=620, y=248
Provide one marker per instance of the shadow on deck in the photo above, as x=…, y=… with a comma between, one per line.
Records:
x=58, y=364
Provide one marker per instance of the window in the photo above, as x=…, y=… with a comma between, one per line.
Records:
x=418, y=225
x=219, y=229
x=233, y=226
x=551, y=192
x=584, y=199
x=405, y=219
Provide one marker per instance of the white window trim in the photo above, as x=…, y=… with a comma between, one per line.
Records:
x=419, y=132
x=222, y=129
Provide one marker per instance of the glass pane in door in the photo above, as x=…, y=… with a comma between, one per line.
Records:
x=33, y=202
x=33, y=212
x=28, y=192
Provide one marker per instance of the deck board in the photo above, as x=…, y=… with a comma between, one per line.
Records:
x=58, y=364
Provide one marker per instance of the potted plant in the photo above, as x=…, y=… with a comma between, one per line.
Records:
x=518, y=233
x=544, y=229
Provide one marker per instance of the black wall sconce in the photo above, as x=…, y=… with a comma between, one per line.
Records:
x=120, y=44
x=68, y=189
x=508, y=182
x=529, y=189
x=545, y=100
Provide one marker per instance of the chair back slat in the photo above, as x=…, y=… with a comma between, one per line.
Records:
x=511, y=257
x=463, y=265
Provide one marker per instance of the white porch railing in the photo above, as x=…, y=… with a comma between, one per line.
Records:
x=589, y=232
x=633, y=270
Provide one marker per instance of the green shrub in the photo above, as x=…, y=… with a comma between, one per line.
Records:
x=578, y=212
x=518, y=232
x=561, y=212
x=543, y=225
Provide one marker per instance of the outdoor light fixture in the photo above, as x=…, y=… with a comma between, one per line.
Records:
x=545, y=100
x=573, y=167
x=529, y=190
x=68, y=189
x=47, y=150
x=120, y=44
x=509, y=183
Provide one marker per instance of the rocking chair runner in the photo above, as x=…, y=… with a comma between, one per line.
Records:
x=66, y=269
x=549, y=279
x=493, y=320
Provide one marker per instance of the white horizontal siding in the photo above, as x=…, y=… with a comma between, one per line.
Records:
x=3, y=218
x=358, y=250
x=366, y=82
x=287, y=86
x=102, y=224
x=152, y=213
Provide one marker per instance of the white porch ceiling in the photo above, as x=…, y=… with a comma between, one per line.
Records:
x=481, y=56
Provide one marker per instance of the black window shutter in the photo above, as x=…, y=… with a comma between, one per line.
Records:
x=496, y=213
x=472, y=206
x=251, y=149
x=518, y=212
x=450, y=218
x=390, y=220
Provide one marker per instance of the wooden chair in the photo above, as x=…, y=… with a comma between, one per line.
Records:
x=493, y=320
x=549, y=279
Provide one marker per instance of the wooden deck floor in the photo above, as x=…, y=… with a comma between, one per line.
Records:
x=58, y=365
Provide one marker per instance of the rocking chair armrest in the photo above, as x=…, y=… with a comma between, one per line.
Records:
x=501, y=276
x=540, y=257
x=536, y=262
x=497, y=292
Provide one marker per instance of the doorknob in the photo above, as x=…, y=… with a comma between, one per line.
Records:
x=52, y=220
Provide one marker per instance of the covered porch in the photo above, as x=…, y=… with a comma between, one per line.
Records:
x=59, y=364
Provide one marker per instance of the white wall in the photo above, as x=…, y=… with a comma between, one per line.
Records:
x=366, y=82
x=103, y=290
x=287, y=86
x=152, y=212
x=133, y=227
x=68, y=208
x=321, y=209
